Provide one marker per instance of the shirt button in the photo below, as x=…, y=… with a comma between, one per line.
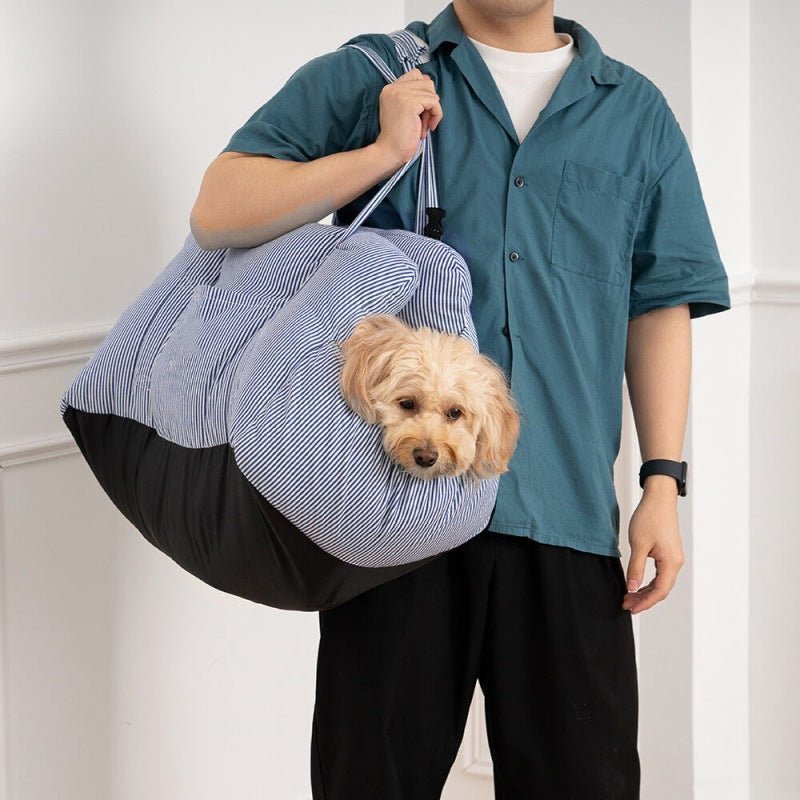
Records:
x=518, y=181
x=513, y=255
x=505, y=330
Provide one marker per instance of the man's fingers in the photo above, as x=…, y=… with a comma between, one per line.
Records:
x=636, y=568
x=426, y=115
x=656, y=590
x=410, y=75
x=666, y=575
x=414, y=86
x=415, y=75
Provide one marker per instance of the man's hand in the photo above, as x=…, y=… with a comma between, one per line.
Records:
x=653, y=531
x=408, y=108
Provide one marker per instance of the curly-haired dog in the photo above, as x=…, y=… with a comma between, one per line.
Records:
x=445, y=409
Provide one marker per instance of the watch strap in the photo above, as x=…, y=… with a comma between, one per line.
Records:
x=665, y=466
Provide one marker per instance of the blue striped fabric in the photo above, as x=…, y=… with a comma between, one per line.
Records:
x=241, y=346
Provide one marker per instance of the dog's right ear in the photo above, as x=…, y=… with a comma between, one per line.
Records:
x=367, y=354
x=499, y=423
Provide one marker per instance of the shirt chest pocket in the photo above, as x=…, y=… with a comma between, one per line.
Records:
x=594, y=222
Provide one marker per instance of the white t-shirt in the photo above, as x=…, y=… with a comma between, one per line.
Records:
x=526, y=80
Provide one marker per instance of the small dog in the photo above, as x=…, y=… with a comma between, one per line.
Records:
x=445, y=409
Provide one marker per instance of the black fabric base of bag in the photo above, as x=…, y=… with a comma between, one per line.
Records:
x=213, y=522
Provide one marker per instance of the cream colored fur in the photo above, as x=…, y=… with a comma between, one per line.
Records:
x=460, y=417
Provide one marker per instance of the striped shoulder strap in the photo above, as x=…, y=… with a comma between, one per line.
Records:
x=410, y=48
x=413, y=50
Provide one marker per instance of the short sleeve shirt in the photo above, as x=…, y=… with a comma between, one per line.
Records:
x=596, y=217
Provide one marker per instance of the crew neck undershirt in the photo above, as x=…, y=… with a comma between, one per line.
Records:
x=526, y=80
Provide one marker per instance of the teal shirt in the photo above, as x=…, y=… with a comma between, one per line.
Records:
x=597, y=216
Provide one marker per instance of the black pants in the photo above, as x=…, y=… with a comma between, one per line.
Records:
x=540, y=626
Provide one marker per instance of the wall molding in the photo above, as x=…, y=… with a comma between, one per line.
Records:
x=741, y=289
x=777, y=287
x=768, y=287
x=75, y=346
x=12, y=455
x=49, y=349
x=476, y=762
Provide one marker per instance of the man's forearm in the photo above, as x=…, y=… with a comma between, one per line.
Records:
x=658, y=374
x=246, y=200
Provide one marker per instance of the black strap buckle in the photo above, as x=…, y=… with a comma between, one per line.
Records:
x=433, y=228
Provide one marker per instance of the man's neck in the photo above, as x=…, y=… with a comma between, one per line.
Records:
x=528, y=32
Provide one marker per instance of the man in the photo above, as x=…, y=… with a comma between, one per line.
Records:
x=571, y=192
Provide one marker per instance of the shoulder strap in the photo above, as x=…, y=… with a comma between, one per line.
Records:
x=411, y=50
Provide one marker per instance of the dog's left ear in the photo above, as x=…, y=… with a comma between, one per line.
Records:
x=367, y=354
x=498, y=426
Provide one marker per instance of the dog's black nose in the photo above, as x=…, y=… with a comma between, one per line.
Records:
x=425, y=457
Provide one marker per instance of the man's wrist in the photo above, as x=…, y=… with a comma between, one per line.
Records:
x=387, y=160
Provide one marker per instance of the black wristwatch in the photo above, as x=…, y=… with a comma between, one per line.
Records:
x=665, y=466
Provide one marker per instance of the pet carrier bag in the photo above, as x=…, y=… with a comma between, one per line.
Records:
x=211, y=413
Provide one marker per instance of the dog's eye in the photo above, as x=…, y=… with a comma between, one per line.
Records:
x=408, y=404
x=454, y=413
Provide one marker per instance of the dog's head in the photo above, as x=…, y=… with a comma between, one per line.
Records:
x=445, y=409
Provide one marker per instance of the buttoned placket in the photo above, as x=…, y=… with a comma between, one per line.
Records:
x=575, y=84
x=519, y=182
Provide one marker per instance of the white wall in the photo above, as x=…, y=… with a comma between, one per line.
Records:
x=721, y=413
x=719, y=661
x=774, y=618
x=654, y=41
x=125, y=677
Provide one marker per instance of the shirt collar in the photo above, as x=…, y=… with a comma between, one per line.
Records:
x=445, y=27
